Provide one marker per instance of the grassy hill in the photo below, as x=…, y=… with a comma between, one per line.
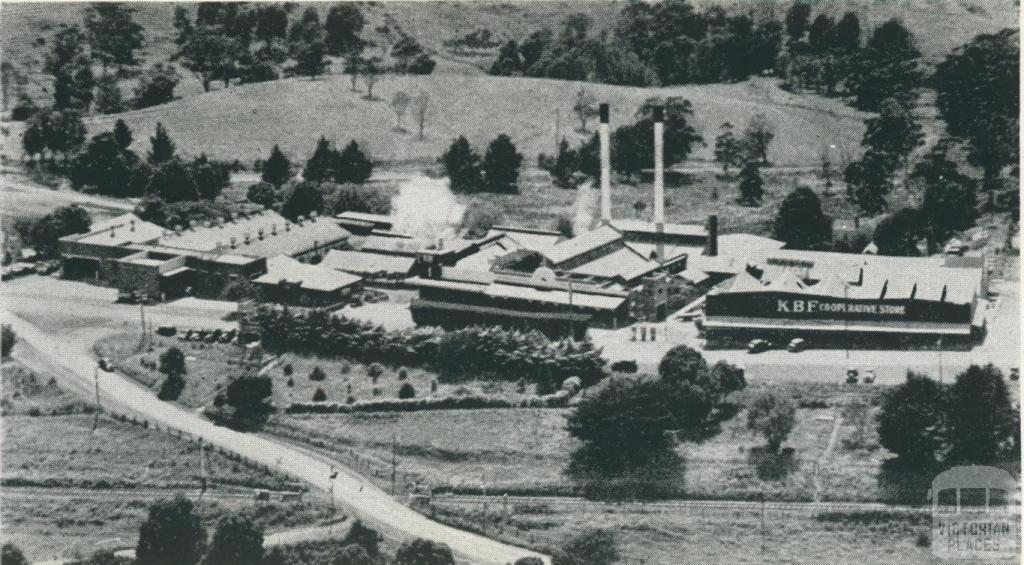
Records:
x=244, y=122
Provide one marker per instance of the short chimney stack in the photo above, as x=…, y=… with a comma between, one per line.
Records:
x=711, y=247
x=606, y=164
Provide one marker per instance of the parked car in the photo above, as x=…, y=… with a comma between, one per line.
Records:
x=105, y=364
x=166, y=331
x=852, y=376
x=1015, y=374
x=797, y=345
x=758, y=345
x=869, y=376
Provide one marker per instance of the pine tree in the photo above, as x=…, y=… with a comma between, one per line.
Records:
x=728, y=149
x=162, y=146
x=751, y=184
x=122, y=134
x=353, y=165
x=462, y=166
x=277, y=169
x=501, y=165
x=801, y=222
x=323, y=165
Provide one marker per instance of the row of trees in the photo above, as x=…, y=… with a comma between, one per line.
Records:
x=498, y=171
x=665, y=43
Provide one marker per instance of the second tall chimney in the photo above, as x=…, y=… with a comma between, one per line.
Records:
x=606, y=166
x=659, y=179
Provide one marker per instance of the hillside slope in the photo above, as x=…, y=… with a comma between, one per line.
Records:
x=244, y=122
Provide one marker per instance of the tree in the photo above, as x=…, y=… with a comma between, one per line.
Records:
x=323, y=164
x=308, y=46
x=424, y=552
x=172, y=387
x=585, y=108
x=406, y=391
x=210, y=53
x=869, y=180
x=899, y=233
x=24, y=108
x=271, y=23
x=354, y=64
x=172, y=361
x=751, y=184
x=303, y=197
x=353, y=165
x=210, y=177
x=122, y=135
x=982, y=426
x=593, y=547
x=352, y=555
x=420, y=108
x=343, y=25
x=728, y=149
x=162, y=147
x=847, y=34
x=563, y=167
x=44, y=234
x=105, y=165
x=772, y=416
x=372, y=70
x=172, y=182
x=409, y=57
x=367, y=538
x=156, y=86
x=236, y=540
x=262, y=193
x=682, y=364
x=317, y=374
x=33, y=140
x=910, y=421
x=10, y=554
x=68, y=63
x=822, y=34
x=355, y=198
x=894, y=131
x=65, y=133
x=108, y=96
x=277, y=168
x=949, y=204
x=508, y=62
x=7, y=340
x=797, y=19
x=114, y=36
x=249, y=397
x=758, y=135
x=400, y=104
x=977, y=88
x=172, y=534
x=501, y=165
x=886, y=68
x=462, y=166
x=800, y=221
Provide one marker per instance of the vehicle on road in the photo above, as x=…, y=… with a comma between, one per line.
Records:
x=104, y=364
x=869, y=376
x=758, y=346
x=1015, y=374
x=796, y=345
x=852, y=376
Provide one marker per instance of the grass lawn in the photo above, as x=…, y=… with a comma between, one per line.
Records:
x=211, y=366
x=525, y=450
x=670, y=536
x=539, y=203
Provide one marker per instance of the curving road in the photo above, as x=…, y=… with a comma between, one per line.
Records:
x=358, y=495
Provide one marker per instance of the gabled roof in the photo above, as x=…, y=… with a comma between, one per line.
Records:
x=786, y=281
x=117, y=231
x=745, y=282
x=314, y=277
x=364, y=263
x=264, y=234
x=534, y=240
x=583, y=243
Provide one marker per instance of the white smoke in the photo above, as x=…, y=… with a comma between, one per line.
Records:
x=425, y=207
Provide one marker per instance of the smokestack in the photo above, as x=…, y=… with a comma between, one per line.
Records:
x=659, y=179
x=606, y=166
x=711, y=248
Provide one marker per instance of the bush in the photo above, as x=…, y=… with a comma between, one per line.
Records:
x=424, y=552
x=11, y=554
x=291, y=382
x=454, y=402
x=288, y=370
x=319, y=395
x=403, y=374
x=172, y=388
x=7, y=340
x=406, y=391
x=625, y=366
x=317, y=374
x=364, y=537
x=596, y=547
x=375, y=370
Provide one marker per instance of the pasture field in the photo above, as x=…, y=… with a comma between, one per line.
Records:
x=526, y=450
x=668, y=536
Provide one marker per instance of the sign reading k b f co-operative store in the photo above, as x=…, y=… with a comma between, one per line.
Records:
x=795, y=306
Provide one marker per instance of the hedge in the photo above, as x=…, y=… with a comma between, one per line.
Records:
x=474, y=352
x=556, y=400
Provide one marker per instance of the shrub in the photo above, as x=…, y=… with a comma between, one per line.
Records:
x=406, y=391
x=772, y=416
x=11, y=554
x=317, y=374
x=375, y=370
x=319, y=395
x=433, y=386
x=625, y=366
x=291, y=382
x=402, y=374
x=346, y=369
x=364, y=537
x=376, y=391
x=7, y=340
x=288, y=370
x=172, y=388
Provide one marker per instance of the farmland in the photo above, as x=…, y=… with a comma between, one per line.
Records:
x=525, y=450
x=92, y=480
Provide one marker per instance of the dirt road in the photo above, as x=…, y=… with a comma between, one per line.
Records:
x=64, y=330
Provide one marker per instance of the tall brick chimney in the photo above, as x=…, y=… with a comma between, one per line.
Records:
x=659, y=179
x=606, y=165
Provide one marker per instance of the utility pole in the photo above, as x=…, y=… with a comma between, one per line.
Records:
x=558, y=128
x=763, y=546
x=96, y=385
x=394, y=462
x=572, y=325
x=334, y=475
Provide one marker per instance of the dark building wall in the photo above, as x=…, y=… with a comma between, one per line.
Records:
x=809, y=307
x=140, y=279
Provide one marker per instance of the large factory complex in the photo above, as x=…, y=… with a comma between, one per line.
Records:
x=618, y=273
